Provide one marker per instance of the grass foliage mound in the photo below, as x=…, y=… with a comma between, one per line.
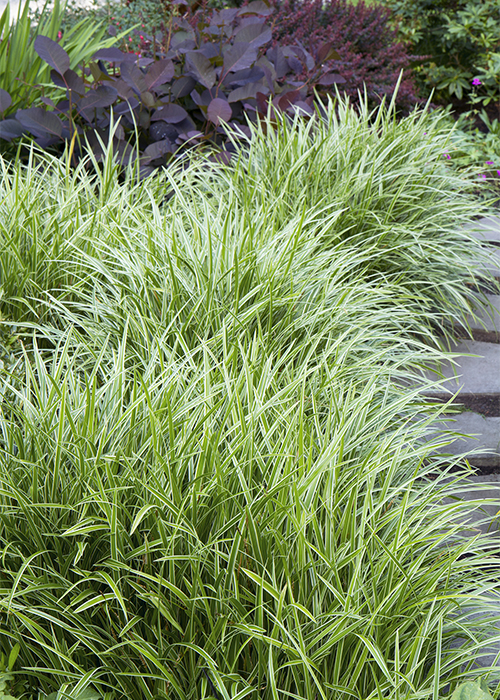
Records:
x=211, y=484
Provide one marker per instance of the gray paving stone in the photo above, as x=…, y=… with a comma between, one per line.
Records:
x=470, y=375
x=484, y=610
x=487, y=490
x=493, y=264
x=486, y=229
x=479, y=433
x=487, y=314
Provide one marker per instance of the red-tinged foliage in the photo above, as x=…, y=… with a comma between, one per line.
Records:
x=369, y=51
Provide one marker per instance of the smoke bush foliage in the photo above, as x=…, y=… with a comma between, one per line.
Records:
x=370, y=54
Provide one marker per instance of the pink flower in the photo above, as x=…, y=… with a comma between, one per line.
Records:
x=59, y=34
x=447, y=155
x=130, y=38
x=498, y=173
x=489, y=162
x=476, y=81
x=141, y=37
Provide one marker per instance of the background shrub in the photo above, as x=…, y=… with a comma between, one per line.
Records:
x=460, y=41
x=369, y=53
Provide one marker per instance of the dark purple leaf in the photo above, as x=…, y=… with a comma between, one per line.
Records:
x=185, y=125
x=213, y=30
x=223, y=157
x=112, y=56
x=200, y=66
x=124, y=90
x=219, y=109
x=330, y=79
x=202, y=100
x=242, y=77
x=181, y=37
x=191, y=136
x=134, y=77
x=159, y=73
x=309, y=60
x=269, y=72
x=156, y=150
x=326, y=52
x=263, y=104
x=97, y=73
x=108, y=95
x=144, y=61
x=293, y=56
x=183, y=47
x=170, y=113
x=225, y=16
x=57, y=79
x=295, y=64
x=161, y=130
x=145, y=171
x=209, y=50
x=247, y=91
x=10, y=129
x=143, y=119
x=40, y=122
x=74, y=82
x=104, y=96
x=183, y=86
x=69, y=80
x=241, y=55
x=112, y=30
x=5, y=100
x=46, y=141
x=277, y=57
x=63, y=106
x=124, y=108
x=241, y=131
x=102, y=68
x=287, y=98
x=147, y=99
x=47, y=101
x=256, y=34
x=257, y=7
x=300, y=106
x=52, y=53
x=125, y=152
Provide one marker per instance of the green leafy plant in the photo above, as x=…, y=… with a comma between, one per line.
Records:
x=6, y=677
x=460, y=40
x=477, y=690
x=472, y=148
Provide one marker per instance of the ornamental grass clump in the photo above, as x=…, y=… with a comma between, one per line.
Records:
x=211, y=485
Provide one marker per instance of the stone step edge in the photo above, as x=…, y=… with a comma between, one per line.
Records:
x=488, y=402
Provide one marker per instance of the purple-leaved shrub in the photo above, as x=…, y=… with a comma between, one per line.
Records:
x=369, y=53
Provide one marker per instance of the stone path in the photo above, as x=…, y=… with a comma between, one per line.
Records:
x=477, y=379
x=477, y=376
